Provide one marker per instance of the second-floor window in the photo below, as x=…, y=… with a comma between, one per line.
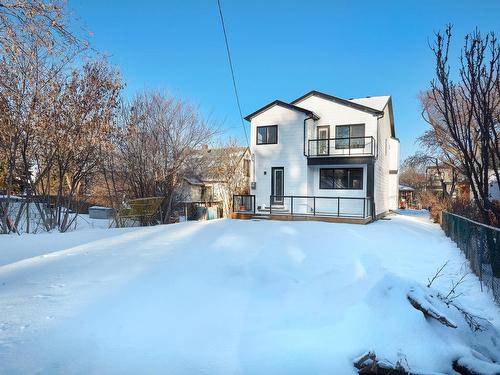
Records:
x=267, y=135
x=351, y=136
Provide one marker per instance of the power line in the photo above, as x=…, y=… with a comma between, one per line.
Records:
x=232, y=72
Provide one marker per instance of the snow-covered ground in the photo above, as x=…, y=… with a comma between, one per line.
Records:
x=232, y=297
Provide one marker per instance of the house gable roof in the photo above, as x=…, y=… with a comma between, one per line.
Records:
x=291, y=107
x=376, y=102
x=207, y=162
x=348, y=103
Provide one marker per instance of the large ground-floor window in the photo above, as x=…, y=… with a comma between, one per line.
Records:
x=341, y=178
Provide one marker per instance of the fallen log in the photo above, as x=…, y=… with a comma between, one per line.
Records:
x=428, y=310
x=475, y=366
x=368, y=364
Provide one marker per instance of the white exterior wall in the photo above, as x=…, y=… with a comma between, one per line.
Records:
x=393, y=194
x=333, y=114
x=287, y=153
x=352, y=206
x=386, y=184
x=301, y=179
x=354, y=193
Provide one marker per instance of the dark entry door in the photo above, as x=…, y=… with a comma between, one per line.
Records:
x=277, y=185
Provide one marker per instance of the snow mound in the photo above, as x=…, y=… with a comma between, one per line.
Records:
x=431, y=337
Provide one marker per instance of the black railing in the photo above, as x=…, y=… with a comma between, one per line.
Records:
x=319, y=206
x=302, y=205
x=244, y=203
x=351, y=146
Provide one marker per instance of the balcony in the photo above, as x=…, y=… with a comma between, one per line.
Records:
x=341, y=147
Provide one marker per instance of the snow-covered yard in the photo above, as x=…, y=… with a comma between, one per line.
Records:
x=231, y=297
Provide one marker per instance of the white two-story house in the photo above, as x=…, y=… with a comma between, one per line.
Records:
x=323, y=156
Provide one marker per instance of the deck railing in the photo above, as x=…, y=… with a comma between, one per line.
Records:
x=351, y=146
x=301, y=205
x=355, y=207
x=244, y=203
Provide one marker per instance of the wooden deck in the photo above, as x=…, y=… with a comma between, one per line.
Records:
x=295, y=217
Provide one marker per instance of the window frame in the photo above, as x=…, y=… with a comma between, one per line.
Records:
x=349, y=181
x=341, y=145
x=322, y=142
x=267, y=137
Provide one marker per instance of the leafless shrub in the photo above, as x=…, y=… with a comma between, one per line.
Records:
x=438, y=274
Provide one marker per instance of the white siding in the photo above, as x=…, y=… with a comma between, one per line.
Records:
x=299, y=179
x=353, y=206
x=386, y=184
x=333, y=114
x=393, y=193
x=314, y=176
x=287, y=153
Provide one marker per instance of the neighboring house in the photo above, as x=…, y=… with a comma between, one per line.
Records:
x=406, y=197
x=336, y=157
x=444, y=177
x=219, y=173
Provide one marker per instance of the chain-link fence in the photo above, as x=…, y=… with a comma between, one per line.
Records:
x=480, y=244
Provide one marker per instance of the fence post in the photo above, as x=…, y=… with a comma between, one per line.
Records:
x=314, y=206
x=481, y=271
x=291, y=204
x=338, y=207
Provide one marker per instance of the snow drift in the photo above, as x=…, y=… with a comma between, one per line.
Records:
x=244, y=297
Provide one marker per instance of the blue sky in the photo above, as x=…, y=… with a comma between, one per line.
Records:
x=280, y=50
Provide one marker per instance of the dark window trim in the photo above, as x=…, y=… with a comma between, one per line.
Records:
x=273, y=169
x=322, y=127
x=266, y=143
x=327, y=139
x=356, y=123
x=348, y=171
x=341, y=147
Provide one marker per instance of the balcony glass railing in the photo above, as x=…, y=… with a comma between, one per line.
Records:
x=352, y=146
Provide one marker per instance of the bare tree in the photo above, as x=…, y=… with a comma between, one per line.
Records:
x=227, y=167
x=464, y=115
x=421, y=161
x=158, y=136
x=88, y=101
x=412, y=175
x=35, y=47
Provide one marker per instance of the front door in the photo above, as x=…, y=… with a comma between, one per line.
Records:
x=277, y=185
x=323, y=142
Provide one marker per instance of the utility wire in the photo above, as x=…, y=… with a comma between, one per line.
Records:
x=232, y=73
